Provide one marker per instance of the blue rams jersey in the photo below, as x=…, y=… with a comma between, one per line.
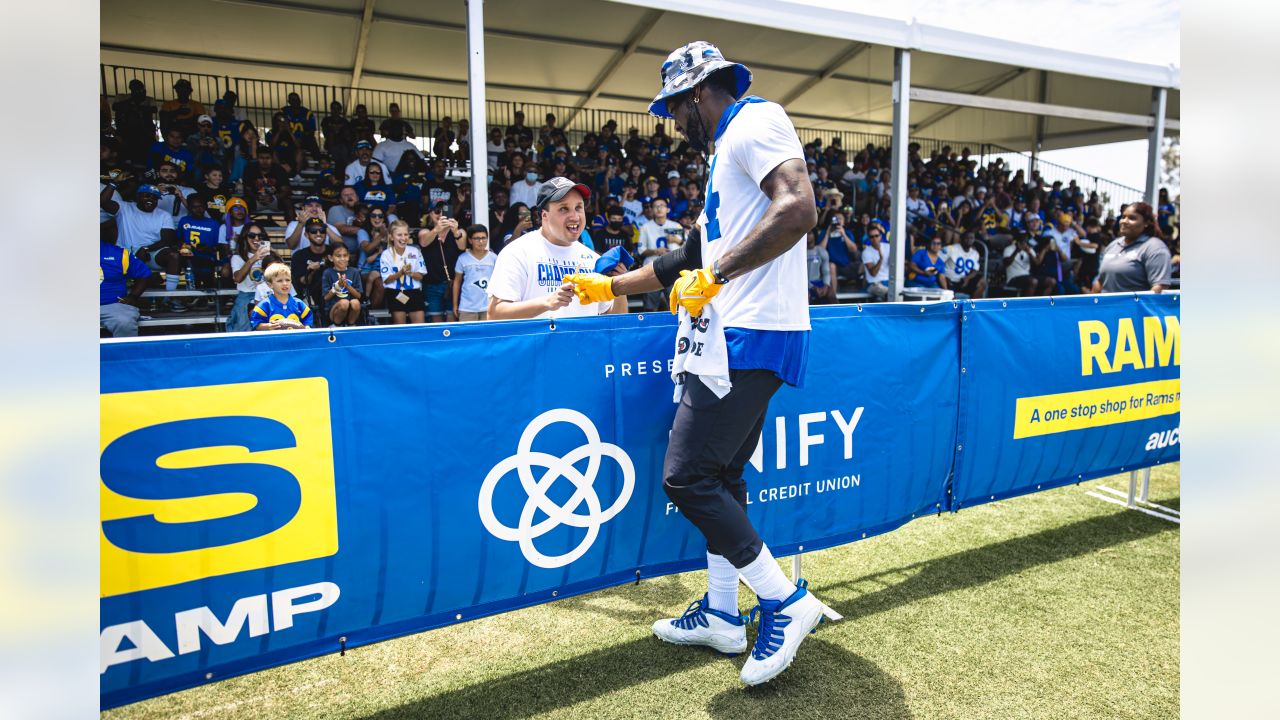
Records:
x=270, y=310
x=200, y=233
x=300, y=119
x=229, y=131
x=115, y=269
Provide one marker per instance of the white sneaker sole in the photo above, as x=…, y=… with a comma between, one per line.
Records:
x=722, y=648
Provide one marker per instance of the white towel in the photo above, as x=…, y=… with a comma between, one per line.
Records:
x=701, y=351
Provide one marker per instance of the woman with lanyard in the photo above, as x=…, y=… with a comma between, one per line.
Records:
x=1138, y=260
x=374, y=236
x=252, y=248
x=374, y=191
x=402, y=269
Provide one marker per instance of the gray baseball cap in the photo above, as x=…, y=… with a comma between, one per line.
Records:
x=556, y=188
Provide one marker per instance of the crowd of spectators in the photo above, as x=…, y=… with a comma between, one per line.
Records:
x=192, y=196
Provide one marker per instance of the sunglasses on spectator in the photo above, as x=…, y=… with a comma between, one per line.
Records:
x=316, y=231
x=377, y=215
x=255, y=235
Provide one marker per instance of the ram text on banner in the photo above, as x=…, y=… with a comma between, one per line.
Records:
x=397, y=480
x=1062, y=390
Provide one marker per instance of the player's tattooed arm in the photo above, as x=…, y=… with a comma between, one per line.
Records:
x=791, y=214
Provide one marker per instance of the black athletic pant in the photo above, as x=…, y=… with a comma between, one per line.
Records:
x=711, y=441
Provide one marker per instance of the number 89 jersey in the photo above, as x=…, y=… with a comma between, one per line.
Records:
x=754, y=137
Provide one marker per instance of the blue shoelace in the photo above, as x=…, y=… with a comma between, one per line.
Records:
x=693, y=616
x=769, y=638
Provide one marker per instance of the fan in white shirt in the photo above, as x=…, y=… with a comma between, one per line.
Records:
x=528, y=279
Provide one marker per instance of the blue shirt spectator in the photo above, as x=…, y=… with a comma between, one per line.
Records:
x=116, y=268
x=927, y=264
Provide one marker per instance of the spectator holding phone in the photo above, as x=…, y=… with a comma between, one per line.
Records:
x=1018, y=257
x=252, y=248
x=280, y=310
x=402, y=270
x=441, y=243
x=875, y=264
x=342, y=288
x=471, y=276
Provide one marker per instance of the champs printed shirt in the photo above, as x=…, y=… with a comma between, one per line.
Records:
x=532, y=267
x=750, y=144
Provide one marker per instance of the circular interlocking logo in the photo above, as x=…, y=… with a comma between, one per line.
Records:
x=523, y=462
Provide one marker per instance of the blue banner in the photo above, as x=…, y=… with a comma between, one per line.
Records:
x=1059, y=390
x=271, y=498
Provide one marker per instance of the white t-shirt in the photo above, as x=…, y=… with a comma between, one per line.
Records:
x=653, y=236
x=1021, y=264
x=475, y=281
x=522, y=191
x=917, y=207
x=633, y=211
x=774, y=296
x=1062, y=237
x=138, y=229
x=532, y=267
x=494, y=150
x=960, y=262
x=389, y=152
x=391, y=261
x=235, y=233
x=355, y=171
x=252, y=279
x=167, y=201
x=870, y=256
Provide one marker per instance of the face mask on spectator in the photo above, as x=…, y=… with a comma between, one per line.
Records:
x=531, y=177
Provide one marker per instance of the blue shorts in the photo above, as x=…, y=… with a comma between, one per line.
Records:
x=437, y=298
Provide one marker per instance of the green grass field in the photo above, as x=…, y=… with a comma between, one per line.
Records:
x=1052, y=605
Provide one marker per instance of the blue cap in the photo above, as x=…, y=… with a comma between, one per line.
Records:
x=363, y=144
x=148, y=190
x=612, y=259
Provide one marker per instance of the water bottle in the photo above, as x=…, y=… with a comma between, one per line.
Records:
x=190, y=276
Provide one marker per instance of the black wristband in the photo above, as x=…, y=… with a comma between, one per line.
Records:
x=715, y=272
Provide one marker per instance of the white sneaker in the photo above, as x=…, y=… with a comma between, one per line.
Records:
x=783, y=625
x=702, y=625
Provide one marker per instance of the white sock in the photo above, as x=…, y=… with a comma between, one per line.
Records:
x=722, y=584
x=171, y=281
x=767, y=578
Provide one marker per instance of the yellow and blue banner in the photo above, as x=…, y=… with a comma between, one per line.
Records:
x=1054, y=391
x=270, y=498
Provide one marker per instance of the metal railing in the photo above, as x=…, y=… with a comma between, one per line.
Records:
x=1112, y=194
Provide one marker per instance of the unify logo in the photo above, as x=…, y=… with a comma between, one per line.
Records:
x=526, y=530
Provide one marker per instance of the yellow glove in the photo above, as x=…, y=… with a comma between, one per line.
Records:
x=592, y=287
x=693, y=290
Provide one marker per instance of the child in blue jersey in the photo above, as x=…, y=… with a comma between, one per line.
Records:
x=280, y=310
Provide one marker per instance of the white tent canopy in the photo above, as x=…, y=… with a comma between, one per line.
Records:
x=832, y=69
